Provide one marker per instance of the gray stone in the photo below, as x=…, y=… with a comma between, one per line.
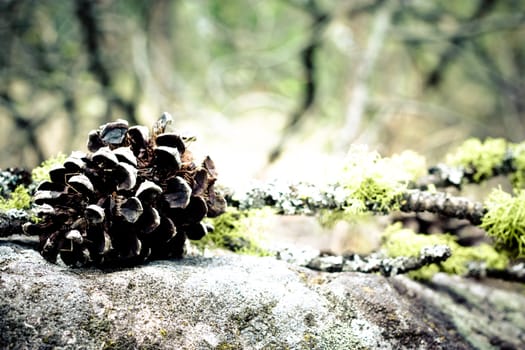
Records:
x=243, y=302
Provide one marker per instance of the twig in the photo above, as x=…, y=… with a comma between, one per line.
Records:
x=377, y=263
x=444, y=204
x=442, y=175
x=513, y=273
x=11, y=221
x=290, y=199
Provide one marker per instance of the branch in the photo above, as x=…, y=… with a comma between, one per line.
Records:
x=442, y=175
x=435, y=76
x=290, y=199
x=308, y=199
x=11, y=221
x=443, y=204
x=513, y=273
x=465, y=31
x=308, y=62
x=376, y=263
x=26, y=125
x=86, y=14
x=477, y=161
x=359, y=97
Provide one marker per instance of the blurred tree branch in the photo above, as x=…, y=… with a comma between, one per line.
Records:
x=87, y=17
x=435, y=76
x=320, y=20
x=364, y=69
x=26, y=125
x=469, y=30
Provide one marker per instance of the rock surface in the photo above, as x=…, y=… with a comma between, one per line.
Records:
x=243, y=302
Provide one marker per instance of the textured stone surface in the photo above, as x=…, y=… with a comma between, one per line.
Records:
x=242, y=302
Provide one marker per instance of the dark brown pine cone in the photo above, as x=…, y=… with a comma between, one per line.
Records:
x=135, y=196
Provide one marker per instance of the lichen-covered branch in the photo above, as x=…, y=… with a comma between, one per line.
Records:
x=475, y=161
x=11, y=221
x=377, y=263
x=291, y=198
x=514, y=273
x=443, y=175
x=308, y=199
x=444, y=204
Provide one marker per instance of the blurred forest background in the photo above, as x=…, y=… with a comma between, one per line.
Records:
x=271, y=88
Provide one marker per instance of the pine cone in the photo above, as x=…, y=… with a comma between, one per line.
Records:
x=132, y=198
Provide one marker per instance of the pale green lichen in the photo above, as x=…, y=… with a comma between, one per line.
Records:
x=505, y=221
x=481, y=157
x=238, y=231
x=375, y=183
x=20, y=198
x=41, y=172
x=405, y=242
x=410, y=165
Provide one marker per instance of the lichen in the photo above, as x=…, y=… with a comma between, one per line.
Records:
x=226, y=346
x=505, y=221
x=405, y=242
x=41, y=172
x=410, y=165
x=20, y=198
x=375, y=183
x=237, y=231
x=480, y=157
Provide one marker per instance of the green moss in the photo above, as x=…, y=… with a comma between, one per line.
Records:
x=405, y=242
x=41, y=173
x=18, y=199
x=411, y=165
x=482, y=157
x=375, y=183
x=505, y=221
x=226, y=346
x=237, y=231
